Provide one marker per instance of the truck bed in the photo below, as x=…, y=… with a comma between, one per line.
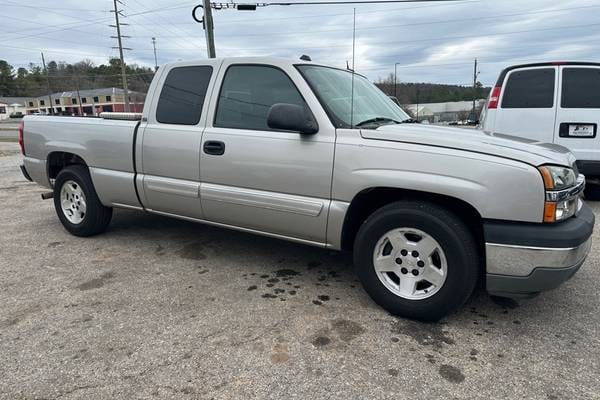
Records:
x=102, y=143
x=106, y=145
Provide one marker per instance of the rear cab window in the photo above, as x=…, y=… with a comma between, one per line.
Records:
x=580, y=88
x=182, y=96
x=531, y=88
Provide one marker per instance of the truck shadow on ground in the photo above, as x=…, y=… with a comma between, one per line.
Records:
x=285, y=267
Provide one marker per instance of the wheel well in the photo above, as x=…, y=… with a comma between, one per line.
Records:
x=370, y=200
x=58, y=160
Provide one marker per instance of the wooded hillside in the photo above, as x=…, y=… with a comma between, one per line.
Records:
x=65, y=77
x=411, y=93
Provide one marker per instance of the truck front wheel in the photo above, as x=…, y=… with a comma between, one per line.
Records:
x=77, y=204
x=416, y=259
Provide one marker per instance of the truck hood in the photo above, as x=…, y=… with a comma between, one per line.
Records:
x=500, y=145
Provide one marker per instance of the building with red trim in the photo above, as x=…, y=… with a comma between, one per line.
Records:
x=89, y=102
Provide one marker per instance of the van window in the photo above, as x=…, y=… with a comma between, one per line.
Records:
x=182, y=95
x=580, y=88
x=247, y=93
x=532, y=88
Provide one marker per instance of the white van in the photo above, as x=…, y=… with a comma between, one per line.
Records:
x=556, y=102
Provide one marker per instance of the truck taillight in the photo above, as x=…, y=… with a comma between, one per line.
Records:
x=494, y=97
x=21, y=142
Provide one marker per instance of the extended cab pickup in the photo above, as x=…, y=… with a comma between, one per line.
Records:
x=320, y=156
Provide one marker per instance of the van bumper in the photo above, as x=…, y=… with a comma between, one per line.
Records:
x=589, y=168
x=523, y=259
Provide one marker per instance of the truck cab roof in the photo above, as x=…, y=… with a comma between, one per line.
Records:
x=242, y=60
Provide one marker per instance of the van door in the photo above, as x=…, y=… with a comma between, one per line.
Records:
x=527, y=104
x=578, y=114
x=170, y=162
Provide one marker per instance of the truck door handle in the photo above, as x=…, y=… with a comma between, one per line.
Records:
x=214, y=147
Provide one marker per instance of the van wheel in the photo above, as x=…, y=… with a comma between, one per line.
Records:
x=77, y=204
x=592, y=191
x=416, y=260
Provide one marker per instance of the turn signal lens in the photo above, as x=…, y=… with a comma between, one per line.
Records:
x=547, y=177
x=549, y=211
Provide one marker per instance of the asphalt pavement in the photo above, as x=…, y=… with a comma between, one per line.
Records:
x=8, y=134
x=158, y=308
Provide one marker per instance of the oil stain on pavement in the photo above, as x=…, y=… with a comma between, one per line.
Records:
x=96, y=283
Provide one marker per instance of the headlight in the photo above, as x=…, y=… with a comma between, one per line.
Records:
x=557, y=178
x=562, y=201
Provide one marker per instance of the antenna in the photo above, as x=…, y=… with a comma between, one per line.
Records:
x=352, y=86
x=155, y=59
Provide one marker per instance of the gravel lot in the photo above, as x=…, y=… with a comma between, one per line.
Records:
x=160, y=308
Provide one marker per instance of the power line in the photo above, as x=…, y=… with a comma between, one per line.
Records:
x=218, y=6
x=403, y=25
x=312, y=16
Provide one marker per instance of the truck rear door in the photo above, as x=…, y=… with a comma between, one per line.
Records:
x=578, y=113
x=527, y=103
x=170, y=159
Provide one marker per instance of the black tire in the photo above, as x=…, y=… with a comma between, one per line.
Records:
x=97, y=216
x=453, y=236
x=592, y=191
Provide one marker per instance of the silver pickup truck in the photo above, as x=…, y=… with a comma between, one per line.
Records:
x=320, y=156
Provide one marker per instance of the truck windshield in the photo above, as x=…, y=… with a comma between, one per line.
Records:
x=333, y=88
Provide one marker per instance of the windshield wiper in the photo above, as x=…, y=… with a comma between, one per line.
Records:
x=377, y=119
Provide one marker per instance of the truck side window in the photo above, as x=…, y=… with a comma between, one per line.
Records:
x=182, y=96
x=532, y=88
x=580, y=88
x=247, y=93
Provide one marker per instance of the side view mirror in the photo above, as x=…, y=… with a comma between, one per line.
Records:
x=292, y=117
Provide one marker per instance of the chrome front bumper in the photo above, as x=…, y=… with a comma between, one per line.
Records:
x=525, y=259
x=504, y=259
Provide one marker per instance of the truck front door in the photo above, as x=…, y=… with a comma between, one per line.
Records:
x=258, y=178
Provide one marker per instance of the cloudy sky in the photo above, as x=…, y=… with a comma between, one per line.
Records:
x=432, y=42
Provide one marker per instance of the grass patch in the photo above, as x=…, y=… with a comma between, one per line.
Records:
x=9, y=139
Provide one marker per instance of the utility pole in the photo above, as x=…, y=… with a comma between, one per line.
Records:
x=48, y=83
x=417, y=105
x=155, y=59
x=396, y=80
x=79, y=98
x=474, y=88
x=209, y=29
x=121, y=48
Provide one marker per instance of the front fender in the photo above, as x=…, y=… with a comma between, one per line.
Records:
x=497, y=188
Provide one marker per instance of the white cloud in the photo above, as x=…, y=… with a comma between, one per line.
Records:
x=432, y=42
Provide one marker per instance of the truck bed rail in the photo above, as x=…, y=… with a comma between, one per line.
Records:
x=128, y=116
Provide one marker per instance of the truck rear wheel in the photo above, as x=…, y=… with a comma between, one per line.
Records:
x=77, y=204
x=416, y=260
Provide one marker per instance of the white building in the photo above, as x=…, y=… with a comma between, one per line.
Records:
x=446, y=112
x=11, y=105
